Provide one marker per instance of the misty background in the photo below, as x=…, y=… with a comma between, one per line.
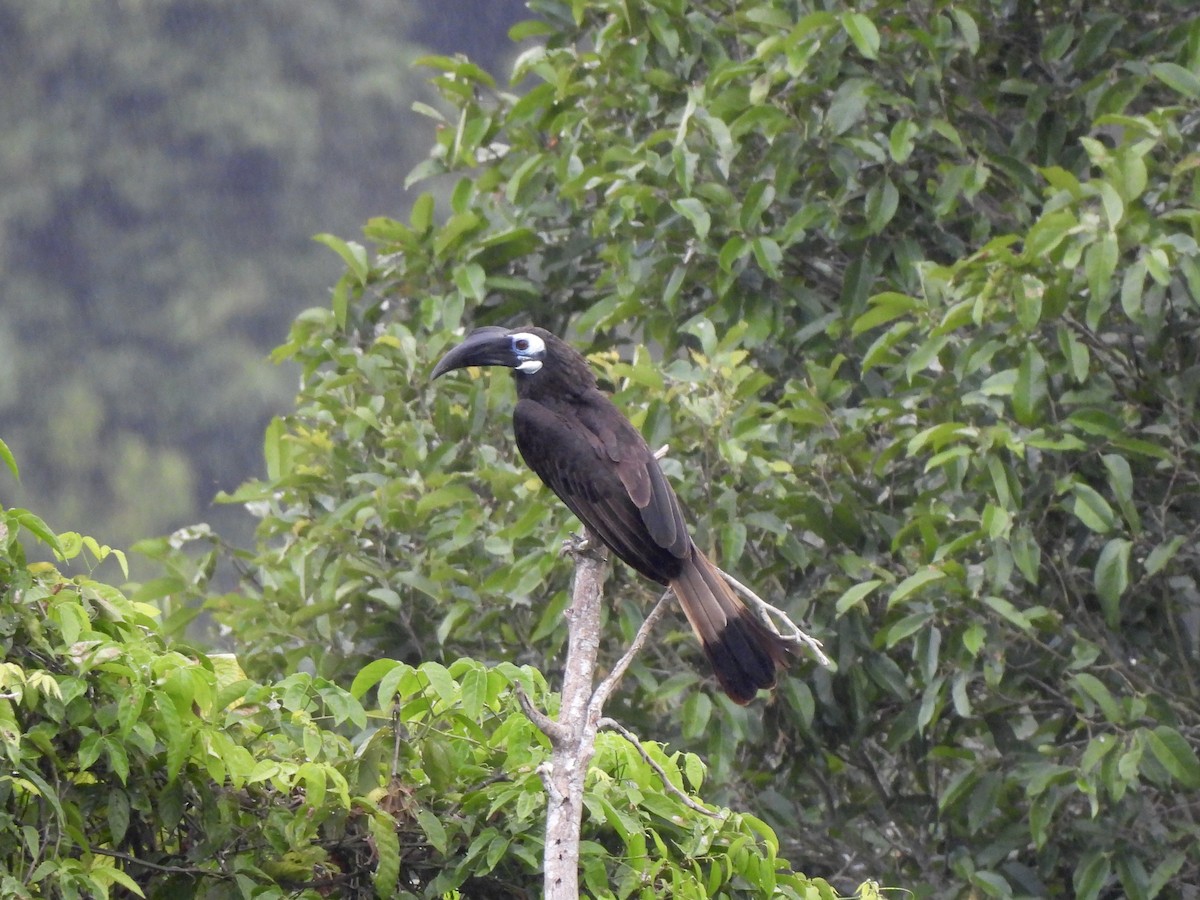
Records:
x=165, y=164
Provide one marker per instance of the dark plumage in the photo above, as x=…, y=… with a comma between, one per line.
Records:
x=589, y=454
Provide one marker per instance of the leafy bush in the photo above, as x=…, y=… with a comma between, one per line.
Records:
x=915, y=294
x=137, y=766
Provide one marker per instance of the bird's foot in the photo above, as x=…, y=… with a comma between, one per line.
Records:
x=575, y=545
x=579, y=545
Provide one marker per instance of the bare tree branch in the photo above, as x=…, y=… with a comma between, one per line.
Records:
x=546, y=725
x=177, y=870
x=573, y=736
x=791, y=631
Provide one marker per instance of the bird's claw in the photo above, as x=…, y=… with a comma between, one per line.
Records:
x=576, y=545
x=579, y=545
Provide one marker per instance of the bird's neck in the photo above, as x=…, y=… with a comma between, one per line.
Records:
x=552, y=385
x=564, y=377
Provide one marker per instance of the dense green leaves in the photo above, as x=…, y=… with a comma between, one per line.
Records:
x=912, y=299
x=131, y=764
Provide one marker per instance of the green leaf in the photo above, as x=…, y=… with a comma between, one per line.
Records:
x=855, y=595
x=882, y=201
x=695, y=714
x=1077, y=354
x=1161, y=555
x=904, y=628
x=354, y=255
x=313, y=775
x=387, y=848
x=474, y=692
x=1133, y=286
x=456, y=228
x=529, y=28
x=734, y=249
x=767, y=254
x=1047, y=233
x=1091, y=509
x=1027, y=554
x=1093, y=688
x=1029, y=390
x=39, y=529
x=1009, y=612
x=118, y=815
x=974, y=638
x=471, y=281
x=863, y=32
x=440, y=679
x=370, y=674
x=1110, y=199
x=924, y=355
x=1177, y=78
x=1175, y=754
x=1091, y=875
x=421, y=216
x=885, y=307
x=848, y=105
x=1120, y=480
x=726, y=147
x=1165, y=872
x=109, y=874
x=1112, y=578
x=1027, y=298
x=1100, y=261
x=967, y=28
x=274, y=452
x=9, y=460
x=695, y=212
x=903, y=140
x=913, y=583
x=991, y=884
x=434, y=830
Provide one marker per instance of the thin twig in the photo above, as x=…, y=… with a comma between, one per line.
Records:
x=620, y=729
x=765, y=611
x=175, y=870
x=606, y=687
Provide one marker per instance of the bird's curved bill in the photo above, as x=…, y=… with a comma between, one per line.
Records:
x=488, y=346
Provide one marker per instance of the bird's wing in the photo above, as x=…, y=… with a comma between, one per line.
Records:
x=601, y=468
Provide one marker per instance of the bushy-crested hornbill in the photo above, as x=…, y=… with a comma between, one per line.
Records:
x=598, y=464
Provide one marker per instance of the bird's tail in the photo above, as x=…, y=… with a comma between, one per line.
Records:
x=744, y=653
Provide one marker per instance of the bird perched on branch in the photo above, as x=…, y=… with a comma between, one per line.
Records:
x=592, y=457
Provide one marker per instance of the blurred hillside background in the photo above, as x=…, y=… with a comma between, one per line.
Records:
x=165, y=164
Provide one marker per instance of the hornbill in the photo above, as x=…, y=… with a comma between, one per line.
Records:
x=592, y=457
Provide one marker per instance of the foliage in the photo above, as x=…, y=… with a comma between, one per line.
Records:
x=134, y=766
x=914, y=292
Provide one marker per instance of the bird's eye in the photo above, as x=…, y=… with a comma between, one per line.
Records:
x=522, y=344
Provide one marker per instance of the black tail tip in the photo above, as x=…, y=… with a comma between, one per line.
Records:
x=746, y=658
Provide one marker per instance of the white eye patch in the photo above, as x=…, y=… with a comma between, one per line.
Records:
x=527, y=345
x=529, y=348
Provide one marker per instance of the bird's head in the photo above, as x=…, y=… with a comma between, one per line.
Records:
x=522, y=349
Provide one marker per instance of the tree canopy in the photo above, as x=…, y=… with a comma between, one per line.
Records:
x=912, y=296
